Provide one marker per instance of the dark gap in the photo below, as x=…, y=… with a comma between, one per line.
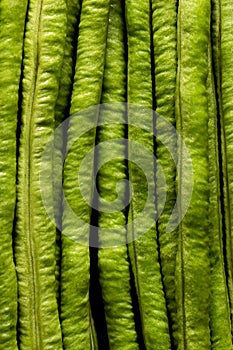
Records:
x=127, y=188
x=96, y=300
x=93, y=238
x=177, y=6
x=154, y=106
x=95, y=290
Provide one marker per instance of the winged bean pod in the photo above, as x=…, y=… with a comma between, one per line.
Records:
x=222, y=35
x=164, y=20
x=113, y=261
x=192, y=263
x=87, y=88
x=39, y=326
x=220, y=323
x=61, y=113
x=143, y=250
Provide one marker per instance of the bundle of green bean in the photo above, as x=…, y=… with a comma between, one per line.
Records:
x=116, y=175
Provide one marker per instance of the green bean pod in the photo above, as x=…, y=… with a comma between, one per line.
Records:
x=164, y=20
x=87, y=89
x=143, y=251
x=222, y=36
x=12, y=18
x=73, y=8
x=192, y=263
x=220, y=323
x=39, y=326
x=113, y=261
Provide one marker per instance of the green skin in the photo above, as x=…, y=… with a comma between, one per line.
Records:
x=112, y=261
x=12, y=18
x=65, y=83
x=164, y=21
x=192, y=264
x=39, y=326
x=222, y=49
x=61, y=112
x=143, y=251
x=220, y=323
x=75, y=276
